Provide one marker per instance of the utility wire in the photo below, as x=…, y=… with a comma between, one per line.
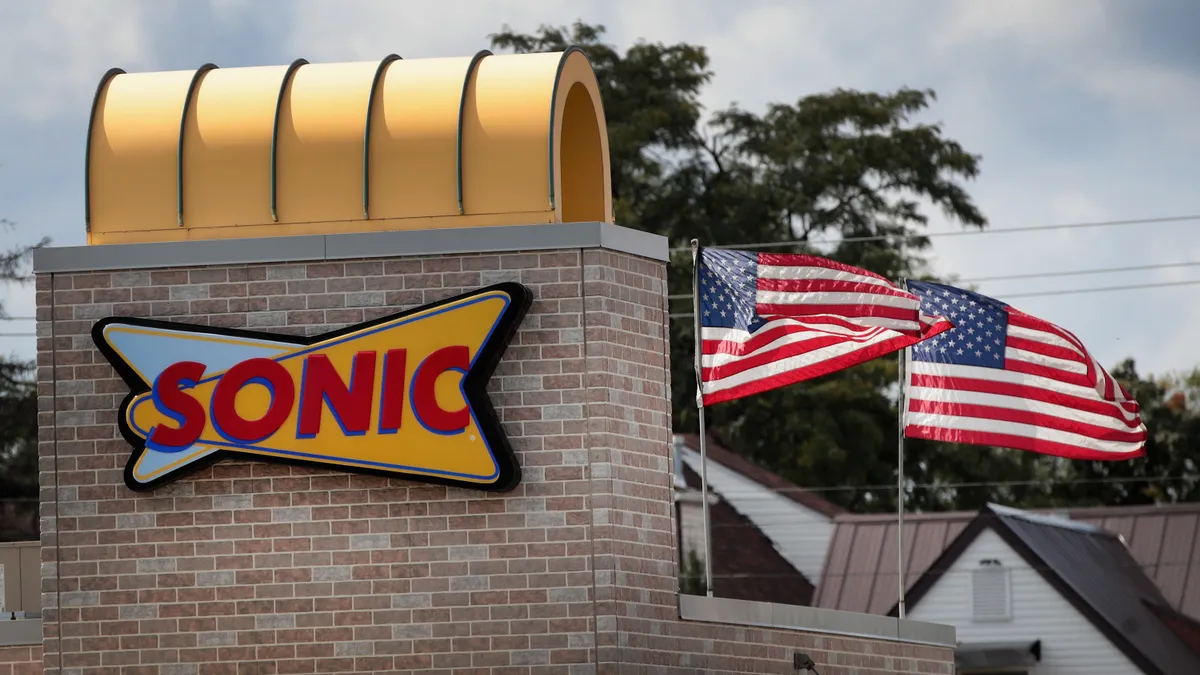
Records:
x=18, y=318
x=1069, y=291
x=891, y=573
x=18, y=334
x=1107, y=480
x=1039, y=275
x=1103, y=289
x=1075, y=273
x=963, y=233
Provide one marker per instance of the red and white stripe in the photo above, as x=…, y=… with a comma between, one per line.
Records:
x=807, y=287
x=821, y=316
x=1052, y=397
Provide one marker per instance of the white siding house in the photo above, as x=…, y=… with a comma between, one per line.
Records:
x=991, y=595
x=800, y=534
x=691, y=514
x=691, y=527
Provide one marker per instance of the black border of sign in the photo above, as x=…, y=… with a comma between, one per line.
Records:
x=474, y=386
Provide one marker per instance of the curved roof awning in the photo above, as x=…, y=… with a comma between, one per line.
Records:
x=347, y=147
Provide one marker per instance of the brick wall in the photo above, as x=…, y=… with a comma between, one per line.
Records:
x=678, y=647
x=21, y=660
x=258, y=568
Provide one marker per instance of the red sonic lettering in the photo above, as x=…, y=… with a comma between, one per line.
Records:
x=173, y=402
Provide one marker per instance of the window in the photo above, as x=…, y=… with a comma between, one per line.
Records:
x=991, y=597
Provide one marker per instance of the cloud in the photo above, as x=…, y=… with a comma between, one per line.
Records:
x=53, y=51
x=1032, y=26
x=1151, y=96
x=1080, y=45
x=367, y=31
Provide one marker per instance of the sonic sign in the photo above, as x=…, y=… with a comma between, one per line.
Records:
x=401, y=396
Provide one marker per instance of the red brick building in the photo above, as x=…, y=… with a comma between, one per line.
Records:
x=248, y=566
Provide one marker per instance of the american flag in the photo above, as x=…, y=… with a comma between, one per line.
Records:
x=770, y=320
x=1004, y=378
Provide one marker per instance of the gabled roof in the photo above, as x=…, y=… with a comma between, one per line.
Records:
x=799, y=524
x=860, y=569
x=1185, y=627
x=1165, y=541
x=746, y=564
x=762, y=476
x=1094, y=571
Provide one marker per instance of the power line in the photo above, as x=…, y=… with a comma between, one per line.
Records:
x=963, y=233
x=1074, y=273
x=18, y=334
x=891, y=573
x=18, y=318
x=1103, y=289
x=1038, y=275
x=1036, y=294
x=1107, y=480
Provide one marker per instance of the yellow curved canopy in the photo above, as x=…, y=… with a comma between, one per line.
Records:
x=347, y=147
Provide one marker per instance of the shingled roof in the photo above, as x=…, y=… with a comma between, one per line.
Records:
x=798, y=523
x=764, y=477
x=1091, y=568
x=1162, y=539
x=746, y=564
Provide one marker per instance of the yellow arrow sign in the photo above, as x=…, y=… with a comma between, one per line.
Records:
x=400, y=396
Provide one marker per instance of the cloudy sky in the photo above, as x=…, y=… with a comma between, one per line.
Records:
x=1083, y=110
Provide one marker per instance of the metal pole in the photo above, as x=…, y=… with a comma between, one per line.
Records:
x=900, y=403
x=708, y=582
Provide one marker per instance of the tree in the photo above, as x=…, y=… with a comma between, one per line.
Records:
x=849, y=175
x=1169, y=472
x=843, y=166
x=651, y=104
x=18, y=420
x=18, y=430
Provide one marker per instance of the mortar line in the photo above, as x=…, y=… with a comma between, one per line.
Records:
x=668, y=413
x=57, y=505
x=587, y=449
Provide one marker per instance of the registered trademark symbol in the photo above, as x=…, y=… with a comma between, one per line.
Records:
x=472, y=436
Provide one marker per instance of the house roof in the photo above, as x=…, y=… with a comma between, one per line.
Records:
x=800, y=525
x=746, y=564
x=860, y=569
x=1186, y=628
x=762, y=476
x=1166, y=543
x=1095, y=571
x=1162, y=539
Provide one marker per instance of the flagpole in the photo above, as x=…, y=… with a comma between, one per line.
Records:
x=900, y=403
x=708, y=583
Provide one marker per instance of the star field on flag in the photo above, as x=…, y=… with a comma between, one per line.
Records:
x=768, y=320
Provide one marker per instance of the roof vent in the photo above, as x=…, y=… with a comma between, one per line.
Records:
x=991, y=597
